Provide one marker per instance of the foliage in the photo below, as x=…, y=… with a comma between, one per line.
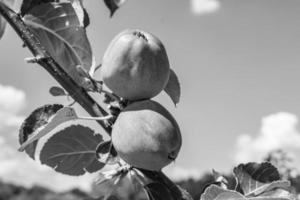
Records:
x=194, y=186
x=55, y=33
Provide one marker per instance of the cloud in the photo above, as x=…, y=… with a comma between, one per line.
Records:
x=12, y=101
x=177, y=173
x=278, y=131
x=19, y=169
x=204, y=6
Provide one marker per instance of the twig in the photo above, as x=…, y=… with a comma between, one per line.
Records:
x=78, y=93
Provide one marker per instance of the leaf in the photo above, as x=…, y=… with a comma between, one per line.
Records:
x=220, y=179
x=270, y=187
x=36, y=120
x=3, y=22
x=72, y=151
x=184, y=194
x=86, y=19
x=173, y=87
x=106, y=153
x=157, y=191
x=63, y=115
x=81, y=12
x=60, y=31
x=215, y=192
x=279, y=193
x=150, y=179
x=29, y=4
x=109, y=183
x=57, y=91
x=113, y=5
x=252, y=176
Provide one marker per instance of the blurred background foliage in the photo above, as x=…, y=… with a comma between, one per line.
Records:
x=278, y=158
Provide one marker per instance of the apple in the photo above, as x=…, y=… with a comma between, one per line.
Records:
x=135, y=65
x=146, y=135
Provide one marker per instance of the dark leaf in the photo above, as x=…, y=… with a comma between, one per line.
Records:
x=59, y=28
x=173, y=87
x=168, y=187
x=158, y=191
x=57, y=91
x=72, y=151
x=106, y=153
x=108, y=99
x=113, y=5
x=252, y=176
x=2, y=20
x=86, y=19
x=184, y=194
x=63, y=115
x=37, y=119
x=27, y=5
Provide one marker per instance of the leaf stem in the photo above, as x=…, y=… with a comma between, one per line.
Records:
x=78, y=93
x=96, y=118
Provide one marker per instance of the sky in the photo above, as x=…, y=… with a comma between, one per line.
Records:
x=239, y=69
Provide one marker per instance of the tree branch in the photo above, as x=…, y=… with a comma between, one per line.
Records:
x=78, y=93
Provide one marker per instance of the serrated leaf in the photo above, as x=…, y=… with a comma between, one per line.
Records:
x=106, y=153
x=270, y=187
x=113, y=5
x=252, y=176
x=63, y=115
x=72, y=151
x=279, y=193
x=57, y=91
x=3, y=22
x=173, y=87
x=60, y=31
x=214, y=192
x=36, y=120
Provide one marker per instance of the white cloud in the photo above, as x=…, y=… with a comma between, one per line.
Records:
x=12, y=101
x=278, y=131
x=204, y=6
x=19, y=169
x=177, y=173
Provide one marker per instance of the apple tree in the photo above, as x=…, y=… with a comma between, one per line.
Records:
x=144, y=136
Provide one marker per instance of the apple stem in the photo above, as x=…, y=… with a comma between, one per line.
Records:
x=113, y=96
